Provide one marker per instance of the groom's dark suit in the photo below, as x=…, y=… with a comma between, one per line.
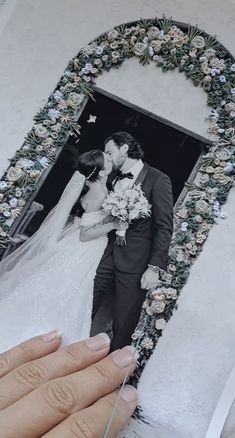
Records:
x=121, y=268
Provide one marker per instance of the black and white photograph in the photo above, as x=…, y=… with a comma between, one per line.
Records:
x=116, y=221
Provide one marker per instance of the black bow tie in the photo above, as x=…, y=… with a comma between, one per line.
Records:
x=122, y=175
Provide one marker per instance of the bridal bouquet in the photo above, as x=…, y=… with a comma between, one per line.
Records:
x=126, y=205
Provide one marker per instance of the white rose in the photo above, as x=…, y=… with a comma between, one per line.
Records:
x=230, y=107
x=75, y=99
x=158, y=306
x=224, y=154
x=153, y=33
x=214, y=63
x=202, y=207
x=41, y=131
x=209, y=53
x=112, y=35
x=13, y=202
x=198, y=42
x=139, y=49
x=14, y=174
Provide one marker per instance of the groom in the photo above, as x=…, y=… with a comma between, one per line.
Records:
x=130, y=271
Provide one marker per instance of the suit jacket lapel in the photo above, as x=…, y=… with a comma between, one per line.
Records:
x=141, y=177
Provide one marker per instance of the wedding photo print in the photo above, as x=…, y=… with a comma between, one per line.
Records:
x=117, y=208
x=95, y=238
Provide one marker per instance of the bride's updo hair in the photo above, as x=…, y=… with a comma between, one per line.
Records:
x=90, y=164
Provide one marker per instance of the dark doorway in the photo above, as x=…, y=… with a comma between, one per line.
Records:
x=171, y=150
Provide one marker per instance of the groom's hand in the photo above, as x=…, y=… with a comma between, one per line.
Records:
x=149, y=279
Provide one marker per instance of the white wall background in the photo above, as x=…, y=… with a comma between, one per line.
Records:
x=38, y=38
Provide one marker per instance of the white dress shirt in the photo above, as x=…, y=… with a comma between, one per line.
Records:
x=127, y=182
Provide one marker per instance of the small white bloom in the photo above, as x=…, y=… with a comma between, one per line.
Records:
x=233, y=91
x=184, y=226
x=58, y=95
x=198, y=42
x=3, y=186
x=88, y=66
x=139, y=49
x=68, y=73
x=151, y=51
x=13, y=202
x=39, y=148
x=145, y=40
x=99, y=50
x=41, y=131
x=25, y=164
x=75, y=99
x=229, y=167
x=160, y=324
x=147, y=343
x=54, y=114
x=7, y=214
x=18, y=193
x=14, y=174
x=232, y=67
x=203, y=59
x=44, y=162
x=112, y=35
x=214, y=115
x=161, y=35
x=222, y=78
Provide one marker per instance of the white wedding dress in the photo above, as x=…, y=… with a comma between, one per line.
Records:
x=56, y=295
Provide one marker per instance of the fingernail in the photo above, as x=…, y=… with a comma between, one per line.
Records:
x=125, y=357
x=98, y=342
x=129, y=394
x=51, y=336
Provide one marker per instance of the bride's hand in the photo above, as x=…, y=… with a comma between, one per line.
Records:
x=121, y=225
x=69, y=392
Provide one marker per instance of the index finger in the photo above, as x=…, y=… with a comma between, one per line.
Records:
x=29, y=350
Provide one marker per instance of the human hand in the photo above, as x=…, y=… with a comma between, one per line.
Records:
x=66, y=393
x=121, y=225
x=149, y=279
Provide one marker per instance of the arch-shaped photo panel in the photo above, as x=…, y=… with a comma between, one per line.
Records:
x=170, y=46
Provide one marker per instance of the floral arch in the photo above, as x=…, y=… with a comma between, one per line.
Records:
x=170, y=45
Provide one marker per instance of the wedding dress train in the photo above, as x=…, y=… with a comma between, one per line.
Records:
x=56, y=295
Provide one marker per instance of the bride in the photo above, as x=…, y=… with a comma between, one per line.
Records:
x=48, y=281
